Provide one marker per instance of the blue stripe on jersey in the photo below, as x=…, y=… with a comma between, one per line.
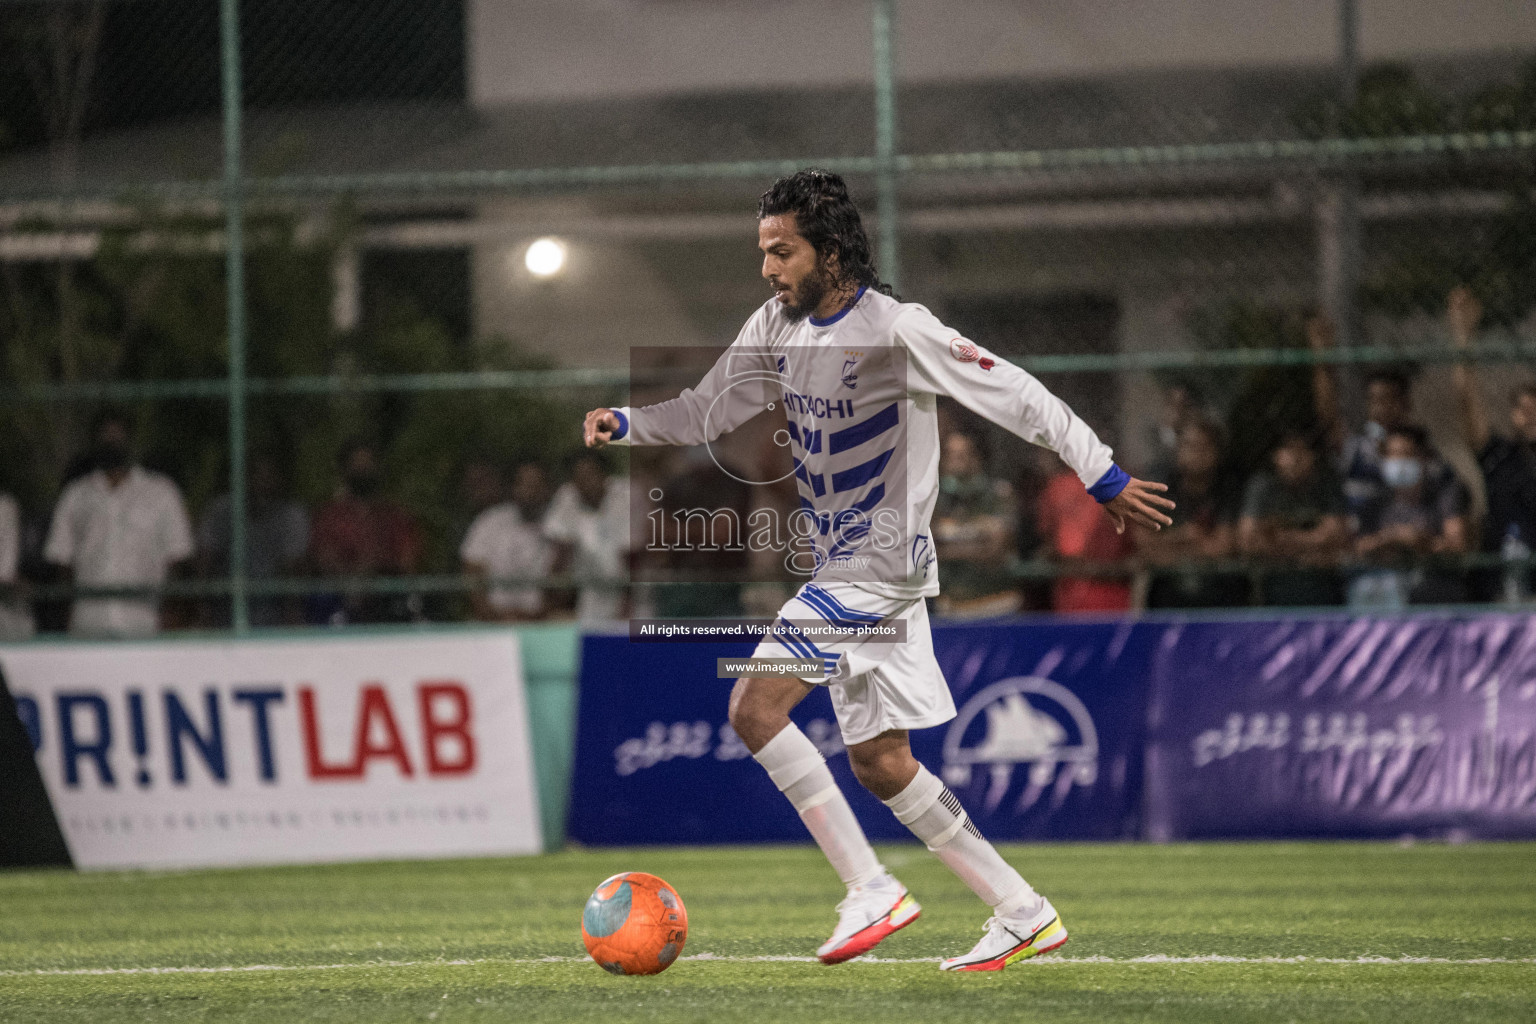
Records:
x=861, y=474
x=809, y=440
x=871, y=428
x=849, y=533
x=790, y=644
x=815, y=481
x=847, y=545
x=843, y=608
x=823, y=520
x=824, y=601
x=830, y=615
x=803, y=648
x=867, y=503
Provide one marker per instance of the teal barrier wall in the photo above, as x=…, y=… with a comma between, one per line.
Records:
x=549, y=667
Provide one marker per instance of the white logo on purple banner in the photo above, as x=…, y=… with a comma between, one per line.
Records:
x=1023, y=722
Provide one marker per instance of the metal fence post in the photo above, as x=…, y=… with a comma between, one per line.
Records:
x=1338, y=213
x=234, y=282
x=885, y=140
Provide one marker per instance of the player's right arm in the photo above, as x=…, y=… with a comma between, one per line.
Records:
x=738, y=387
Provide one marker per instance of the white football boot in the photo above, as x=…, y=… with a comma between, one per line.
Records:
x=867, y=915
x=1011, y=939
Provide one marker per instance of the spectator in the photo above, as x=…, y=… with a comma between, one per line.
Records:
x=1388, y=406
x=482, y=485
x=276, y=539
x=119, y=525
x=15, y=618
x=1422, y=512
x=588, y=521
x=360, y=533
x=1209, y=500
x=504, y=542
x=703, y=510
x=1182, y=405
x=974, y=525
x=776, y=496
x=1508, y=462
x=1075, y=528
x=1295, y=513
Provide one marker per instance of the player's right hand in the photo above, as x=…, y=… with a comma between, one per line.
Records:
x=599, y=427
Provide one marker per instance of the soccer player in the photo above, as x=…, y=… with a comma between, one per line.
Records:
x=857, y=372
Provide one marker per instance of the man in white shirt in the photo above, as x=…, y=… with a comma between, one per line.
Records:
x=506, y=542
x=857, y=373
x=118, y=526
x=588, y=521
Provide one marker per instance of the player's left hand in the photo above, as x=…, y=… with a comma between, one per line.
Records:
x=1140, y=502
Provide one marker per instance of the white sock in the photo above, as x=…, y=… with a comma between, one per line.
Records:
x=801, y=773
x=935, y=816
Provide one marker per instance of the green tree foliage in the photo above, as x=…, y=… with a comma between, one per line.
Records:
x=151, y=305
x=1260, y=401
x=1497, y=256
x=1389, y=100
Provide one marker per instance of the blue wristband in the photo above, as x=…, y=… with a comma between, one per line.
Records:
x=618, y=435
x=1110, y=484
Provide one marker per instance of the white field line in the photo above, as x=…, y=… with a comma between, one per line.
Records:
x=1157, y=958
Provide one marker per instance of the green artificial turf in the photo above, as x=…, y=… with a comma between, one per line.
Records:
x=377, y=942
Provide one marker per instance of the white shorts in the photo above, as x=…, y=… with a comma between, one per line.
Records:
x=875, y=685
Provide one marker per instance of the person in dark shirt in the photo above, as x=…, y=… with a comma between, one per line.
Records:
x=1294, y=513
x=1209, y=500
x=974, y=524
x=1357, y=456
x=1508, y=462
x=361, y=533
x=1421, y=512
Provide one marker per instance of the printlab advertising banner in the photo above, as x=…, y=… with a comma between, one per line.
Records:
x=1372, y=727
x=189, y=753
x=1047, y=742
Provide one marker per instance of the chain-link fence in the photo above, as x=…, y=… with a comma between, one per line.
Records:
x=1245, y=279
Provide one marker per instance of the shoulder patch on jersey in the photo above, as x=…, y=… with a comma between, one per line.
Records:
x=963, y=350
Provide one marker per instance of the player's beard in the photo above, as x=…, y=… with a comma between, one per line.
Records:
x=804, y=299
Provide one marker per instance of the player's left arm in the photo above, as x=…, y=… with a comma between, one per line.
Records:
x=942, y=362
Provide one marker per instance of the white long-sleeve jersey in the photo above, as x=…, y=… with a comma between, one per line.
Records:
x=859, y=391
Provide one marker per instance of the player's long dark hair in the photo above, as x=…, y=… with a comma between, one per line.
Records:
x=826, y=217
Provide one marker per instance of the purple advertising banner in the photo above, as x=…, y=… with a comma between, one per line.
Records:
x=1161, y=729
x=1046, y=744
x=1365, y=727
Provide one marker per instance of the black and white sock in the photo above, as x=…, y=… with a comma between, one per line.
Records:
x=935, y=816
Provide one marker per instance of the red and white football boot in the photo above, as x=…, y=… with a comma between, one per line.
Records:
x=866, y=916
x=1011, y=939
